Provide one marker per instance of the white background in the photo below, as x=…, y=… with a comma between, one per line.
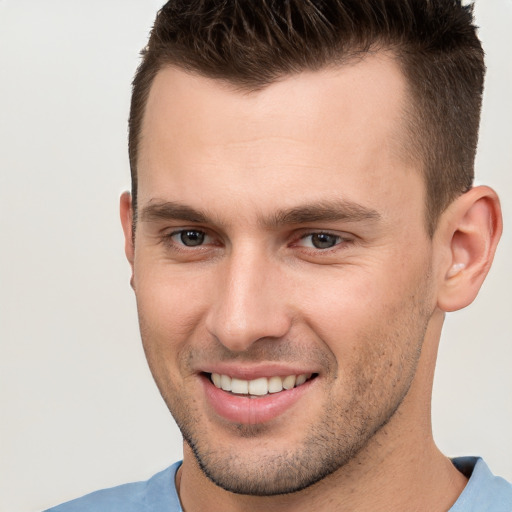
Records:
x=79, y=410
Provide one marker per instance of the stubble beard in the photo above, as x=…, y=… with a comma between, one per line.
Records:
x=281, y=473
x=334, y=440
x=376, y=386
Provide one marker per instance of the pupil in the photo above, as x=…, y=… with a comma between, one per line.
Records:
x=192, y=238
x=323, y=240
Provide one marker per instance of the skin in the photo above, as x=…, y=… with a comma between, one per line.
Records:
x=314, y=153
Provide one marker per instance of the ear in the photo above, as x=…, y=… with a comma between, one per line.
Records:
x=469, y=231
x=126, y=212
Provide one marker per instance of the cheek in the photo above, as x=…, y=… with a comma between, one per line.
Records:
x=170, y=306
x=368, y=311
x=376, y=339
x=343, y=301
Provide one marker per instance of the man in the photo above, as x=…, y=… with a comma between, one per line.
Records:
x=302, y=217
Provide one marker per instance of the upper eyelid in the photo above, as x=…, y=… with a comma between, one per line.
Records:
x=168, y=232
x=183, y=230
x=344, y=240
x=166, y=239
x=309, y=232
x=339, y=234
x=174, y=231
x=295, y=237
x=334, y=235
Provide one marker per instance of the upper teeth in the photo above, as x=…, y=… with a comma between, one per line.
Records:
x=259, y=387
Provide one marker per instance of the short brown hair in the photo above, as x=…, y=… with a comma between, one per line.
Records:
x=252, y=43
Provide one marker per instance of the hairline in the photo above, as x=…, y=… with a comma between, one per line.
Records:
x=406, y=141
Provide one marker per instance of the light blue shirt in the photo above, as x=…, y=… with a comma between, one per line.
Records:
x=484, y=492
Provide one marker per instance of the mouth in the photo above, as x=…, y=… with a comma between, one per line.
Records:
x=258, y=394
x=259, y=387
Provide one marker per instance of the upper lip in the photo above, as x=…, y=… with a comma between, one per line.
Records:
x=250, y=372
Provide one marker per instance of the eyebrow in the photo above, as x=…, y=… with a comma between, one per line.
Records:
x=322, y=211
x=170, y=210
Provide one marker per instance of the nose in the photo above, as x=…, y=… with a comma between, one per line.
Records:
x=249, y=302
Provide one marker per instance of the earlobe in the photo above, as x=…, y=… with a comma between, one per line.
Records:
x=472, y=227
x=126, y=213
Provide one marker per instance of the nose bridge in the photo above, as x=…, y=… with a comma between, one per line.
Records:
x=249, y=305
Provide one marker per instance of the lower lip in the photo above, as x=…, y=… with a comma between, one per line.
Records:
x=251, y=411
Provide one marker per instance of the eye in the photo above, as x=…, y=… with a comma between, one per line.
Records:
x=190, y=237
x=320, y=240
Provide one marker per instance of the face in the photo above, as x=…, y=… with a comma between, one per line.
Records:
x=281, y=268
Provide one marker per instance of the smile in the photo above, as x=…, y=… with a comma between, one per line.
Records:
x=257, y=400
x=261, y=386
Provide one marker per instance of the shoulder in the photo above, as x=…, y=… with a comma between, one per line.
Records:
x=484, y=491
x=158, y=494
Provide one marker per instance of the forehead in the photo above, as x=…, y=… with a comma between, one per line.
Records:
x=334, y=131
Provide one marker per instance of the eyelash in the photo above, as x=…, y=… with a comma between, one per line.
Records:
x=169, y=241
x=340, y=240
